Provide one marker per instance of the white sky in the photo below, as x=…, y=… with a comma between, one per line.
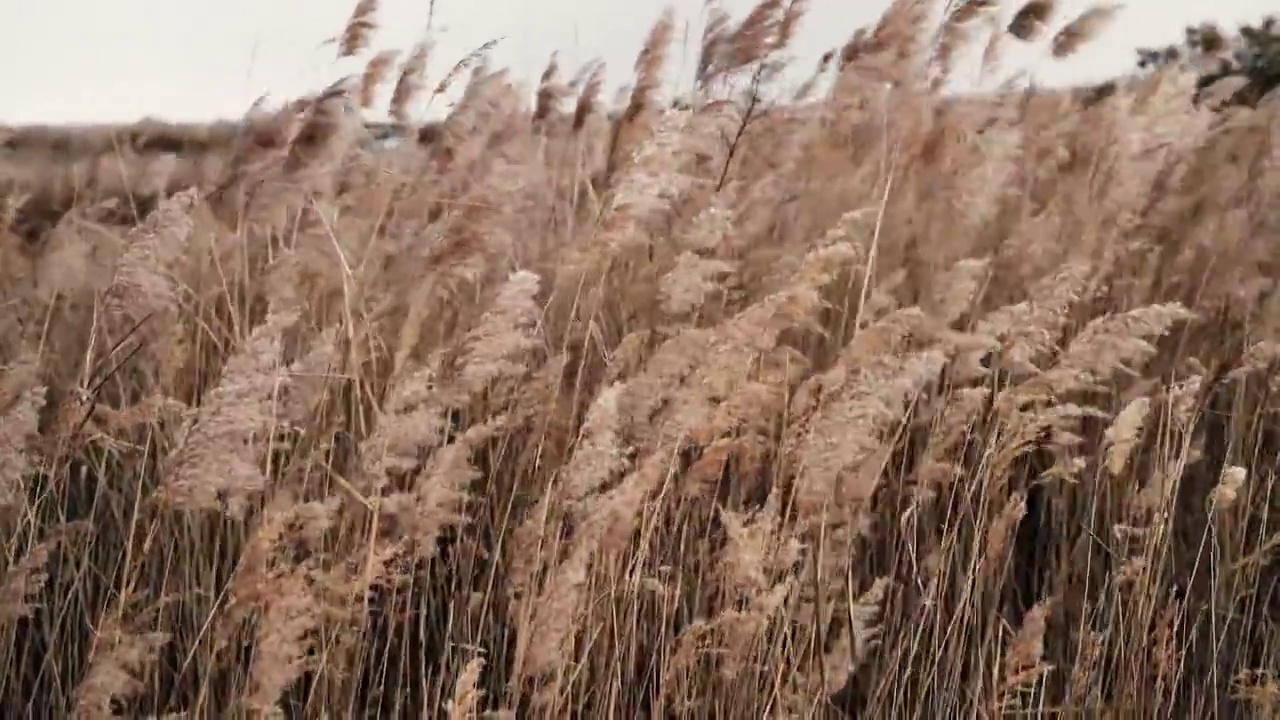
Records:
x=81, y=61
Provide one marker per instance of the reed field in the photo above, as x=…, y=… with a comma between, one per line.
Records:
x=843, y=398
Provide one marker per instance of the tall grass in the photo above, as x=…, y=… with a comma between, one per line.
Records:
x=882, y=403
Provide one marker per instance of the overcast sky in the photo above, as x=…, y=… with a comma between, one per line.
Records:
x=80, y=61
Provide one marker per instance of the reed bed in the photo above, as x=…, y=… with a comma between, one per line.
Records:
x=852, y=399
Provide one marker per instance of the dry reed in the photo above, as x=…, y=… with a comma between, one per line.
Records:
x=877, y=403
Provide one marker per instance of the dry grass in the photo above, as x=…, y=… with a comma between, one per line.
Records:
x=883, y=405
